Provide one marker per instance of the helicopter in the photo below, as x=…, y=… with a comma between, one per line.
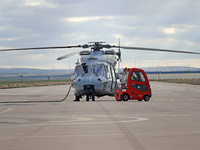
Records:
x=96, y=75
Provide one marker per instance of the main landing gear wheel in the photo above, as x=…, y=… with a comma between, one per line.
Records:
x=77, y=98
x=125, y=97
x=88, y=97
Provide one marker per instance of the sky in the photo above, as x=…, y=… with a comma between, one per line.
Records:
x=172, y=24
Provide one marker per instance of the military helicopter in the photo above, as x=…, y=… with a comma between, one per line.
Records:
x=96, y=74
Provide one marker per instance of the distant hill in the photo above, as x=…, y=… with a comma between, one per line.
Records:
x=69, y=71
x=33, y=71
x=171, y=68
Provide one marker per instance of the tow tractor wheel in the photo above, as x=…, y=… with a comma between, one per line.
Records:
x=125, y=97
x=146, y=98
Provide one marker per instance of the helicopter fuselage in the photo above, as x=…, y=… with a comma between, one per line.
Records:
x=96, y=75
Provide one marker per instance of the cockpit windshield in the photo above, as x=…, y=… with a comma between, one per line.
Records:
x=97, y=69
x=100, y=70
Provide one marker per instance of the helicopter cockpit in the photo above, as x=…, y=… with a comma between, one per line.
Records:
x=98, y=69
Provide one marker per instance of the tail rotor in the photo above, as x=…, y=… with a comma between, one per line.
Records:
x=119, y=56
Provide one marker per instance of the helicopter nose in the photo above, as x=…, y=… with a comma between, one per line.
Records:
x=93, y=84
x=90, y=84
x=89, y=89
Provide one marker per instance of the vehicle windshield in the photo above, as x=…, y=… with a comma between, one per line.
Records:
x=138, y=76
x=97, y=69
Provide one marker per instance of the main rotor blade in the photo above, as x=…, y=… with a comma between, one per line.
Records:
x=69, y=55
x=34, y=48
x=155, y=49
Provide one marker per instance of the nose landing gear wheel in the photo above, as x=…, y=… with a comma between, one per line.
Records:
x=88, y=97
x=93, y=98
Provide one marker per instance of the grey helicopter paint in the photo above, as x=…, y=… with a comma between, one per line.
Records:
x=96, y=74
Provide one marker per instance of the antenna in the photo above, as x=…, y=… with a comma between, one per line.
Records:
x=77, y=63
x=119, y=59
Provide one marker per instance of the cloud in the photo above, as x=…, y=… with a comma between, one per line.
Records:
x=169, y=31
x=8, y=39
x=156, y=24
x=81, y=19
x=38, y=3
x=87, y=19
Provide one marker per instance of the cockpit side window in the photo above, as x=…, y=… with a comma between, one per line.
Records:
x=85, y=68
x=108, y=72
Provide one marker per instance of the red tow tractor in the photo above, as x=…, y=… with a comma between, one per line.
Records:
x=134, y=86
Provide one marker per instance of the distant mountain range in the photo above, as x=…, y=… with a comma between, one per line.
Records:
x=34, y=71
x=69, y=71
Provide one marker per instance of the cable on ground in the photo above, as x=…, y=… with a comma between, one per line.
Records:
x=7, y=102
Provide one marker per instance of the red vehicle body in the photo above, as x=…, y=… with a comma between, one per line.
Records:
x=134, y=86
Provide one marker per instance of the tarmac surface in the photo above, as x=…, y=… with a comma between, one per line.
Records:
x=169, y=121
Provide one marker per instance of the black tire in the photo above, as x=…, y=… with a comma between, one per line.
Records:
x=77, y=98
x=125, y=97
x=146, y=98
x=87, y=98
x=93, y=98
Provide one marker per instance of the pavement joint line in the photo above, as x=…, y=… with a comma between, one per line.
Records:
x=167, y=133
x=133, y=141
x=57, y=136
